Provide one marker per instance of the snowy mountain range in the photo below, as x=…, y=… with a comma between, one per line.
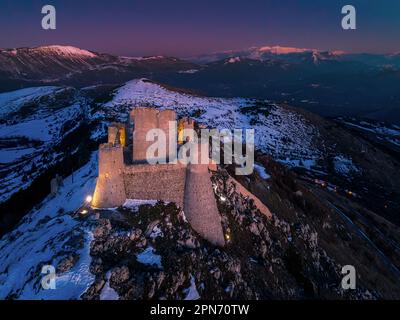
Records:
x=267, y=53
x=329, y=83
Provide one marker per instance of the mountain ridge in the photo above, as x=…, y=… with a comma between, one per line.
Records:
x=324, y=82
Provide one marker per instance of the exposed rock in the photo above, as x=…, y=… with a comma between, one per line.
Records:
x=119, y=275
x=135, y=234
x=93, y=293
x=67, y=263
x=103, y=229
x=151, y=227
x=254, y=228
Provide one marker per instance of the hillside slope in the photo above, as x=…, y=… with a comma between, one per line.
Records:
x=329, y=205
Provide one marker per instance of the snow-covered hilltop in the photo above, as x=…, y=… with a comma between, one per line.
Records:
x=54, y=50
x=66, y=51
x=47, y=62
x=283, y=134
x=71, y=65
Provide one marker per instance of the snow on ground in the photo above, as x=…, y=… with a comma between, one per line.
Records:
x=156, y=232
x=66, y=51
x=47, y=128
x=42, y=238
x=14, y=100
x=10, y=155
x=383, y=131
x=190, y=71
x=344, y=165
x=28, y=138
x=282, y=133
x=136, y=203
x=149, y=257
x=108, y=293
x=191, y=292
x=261, y=171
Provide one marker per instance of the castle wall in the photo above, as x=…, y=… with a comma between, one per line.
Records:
x=155, y=182
x=117, y=134
x=189, y=186
x=146, y=119
x=110, y=188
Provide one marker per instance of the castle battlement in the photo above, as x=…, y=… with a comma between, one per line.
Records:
x=124, y=172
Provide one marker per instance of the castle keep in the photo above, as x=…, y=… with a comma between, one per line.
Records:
x=124, y=172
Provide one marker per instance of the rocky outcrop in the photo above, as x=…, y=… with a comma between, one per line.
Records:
x=152, y=252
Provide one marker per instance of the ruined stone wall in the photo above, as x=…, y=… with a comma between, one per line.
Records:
x=155, y=182
x=189, y=186
x=184, y=123
x=144, y=120
x=117, y=134
x=110, y=189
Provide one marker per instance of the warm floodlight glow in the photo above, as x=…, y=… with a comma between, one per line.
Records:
x=89, y=199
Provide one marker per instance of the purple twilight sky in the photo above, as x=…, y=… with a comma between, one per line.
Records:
x=183, y=28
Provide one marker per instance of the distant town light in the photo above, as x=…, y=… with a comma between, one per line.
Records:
x=222, y=198
x=84, y=211
x=89, y=199
x=227, y=237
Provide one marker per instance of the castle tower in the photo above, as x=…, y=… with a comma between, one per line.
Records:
x=145, y=119
x=200, y=206
x=184, y=123
x=117, y=134
x=110, y=189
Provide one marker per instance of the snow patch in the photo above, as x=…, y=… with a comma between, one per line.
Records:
x=190, y=71
x=344, y=165
x=136, y=203
x=149, y=257
x=191, y=292
x=261, y=171
x=108, y=293
x=41, y=238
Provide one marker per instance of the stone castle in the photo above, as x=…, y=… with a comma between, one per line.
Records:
x=125, y=173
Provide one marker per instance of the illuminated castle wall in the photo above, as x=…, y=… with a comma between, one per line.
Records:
x=124, y=172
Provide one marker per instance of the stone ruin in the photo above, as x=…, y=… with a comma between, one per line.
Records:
x=125, y=173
